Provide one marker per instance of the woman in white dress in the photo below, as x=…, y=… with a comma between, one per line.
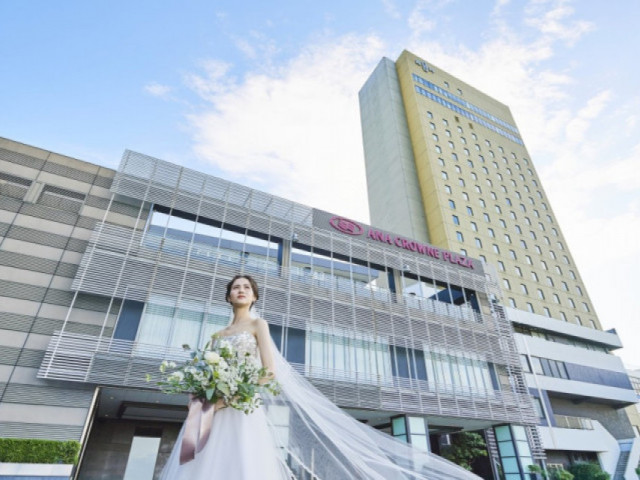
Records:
x=319, y=442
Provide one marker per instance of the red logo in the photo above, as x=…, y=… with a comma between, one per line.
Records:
x=347, y=226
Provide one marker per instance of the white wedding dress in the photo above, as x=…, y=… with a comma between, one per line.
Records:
x=240, y=446
x=319, y=438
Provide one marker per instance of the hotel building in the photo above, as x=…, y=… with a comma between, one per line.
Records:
x=446, y=165
x=105, y=273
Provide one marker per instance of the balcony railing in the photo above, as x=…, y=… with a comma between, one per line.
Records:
x=578, y=423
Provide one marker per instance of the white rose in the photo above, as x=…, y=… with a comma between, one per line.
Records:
x=211, y=358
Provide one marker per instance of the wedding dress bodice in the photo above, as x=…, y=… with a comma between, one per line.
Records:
x=243, y=343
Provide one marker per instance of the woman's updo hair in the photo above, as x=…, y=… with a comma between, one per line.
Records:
x=252, y=282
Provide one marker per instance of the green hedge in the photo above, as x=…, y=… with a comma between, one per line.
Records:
x=588, y=471
x=18, y=450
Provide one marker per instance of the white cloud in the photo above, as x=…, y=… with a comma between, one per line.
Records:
x=391, y=8
x=294, y=131
x=157, y=90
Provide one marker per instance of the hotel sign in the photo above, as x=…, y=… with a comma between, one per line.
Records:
x=354, y=229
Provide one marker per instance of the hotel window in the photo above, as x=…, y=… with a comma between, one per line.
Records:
x=447, y=133
x=509, y=171
x=507, y=238
x=513, y=155
x=519, y=230
x=523, y=208
x=556, y=298
x=549, y=219
x=478, y=189
x=489, y=182
x=458, y=169
x=518, y=166
x=577, y=320
x=527, y=220
x=585, y=307
x=477, y=147
x=447, y=189
x=550, y=281
x=483, y=258
x=486, y=217
x=481, y=158
x=565, y=287
x=513, y=215
x=441, y=162
x=493, y=195
x=445, y=176
x=552, y=254
x=554, y=231
x=544, y=265
x=529, y=172
x=501, y=149
x=498, y=209
x=459, y=128
x=478, y=243
x=465, y=195
x=474, y=226
x=463, y=252
x=501, y=266
x=565, y=259
x=502, y=223
x=513, y=255
x=438, y=149
x=461, y=182
x=541, y=226
x=470, y=163
x=492, y=234
x=518, y=195
x=429, y=114
x=432, y=125
x=579, y=290
x=531, y=201
x=465, y=150
x=491, y=154
x=496, y=249
x=524, y=289
x=546, y=240
x=521, y=177
x=508, y=201
x=512, y=302
x=518, y=271
x=474, y=176
x=560, y=246
x=434, y=136
x=534, y=183
x=547, y=312
x=534, y=276
x=572, y=275
x=445, y=122
x=504, y=190
x=485, y=170
x=482, y=203
x=495, y=164
x=456, y=220
x=499, y=175
x=450, y=143
x=572, y=304
x=469, y=211
x=563, y=317
x=459, y=236
x=537, y=249
x=527, y=259
x=475, y=137
x=487, y=143
x=523, y=244
x=506, y=283
x=530, y=308
x=452, y=204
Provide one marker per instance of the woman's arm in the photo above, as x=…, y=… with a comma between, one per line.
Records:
x=264, y=344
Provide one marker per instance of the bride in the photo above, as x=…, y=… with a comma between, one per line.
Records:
x=319, y=441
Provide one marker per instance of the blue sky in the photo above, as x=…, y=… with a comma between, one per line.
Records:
x=265, y=94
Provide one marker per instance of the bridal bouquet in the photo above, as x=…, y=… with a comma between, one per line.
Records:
x=219, y=372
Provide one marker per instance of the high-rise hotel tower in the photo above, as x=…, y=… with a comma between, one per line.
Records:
x=447, y=165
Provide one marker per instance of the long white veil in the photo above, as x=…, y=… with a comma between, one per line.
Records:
x=318, y=440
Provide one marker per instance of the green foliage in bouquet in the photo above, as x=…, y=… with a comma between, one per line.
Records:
x=219, y=372
x=22, y=450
